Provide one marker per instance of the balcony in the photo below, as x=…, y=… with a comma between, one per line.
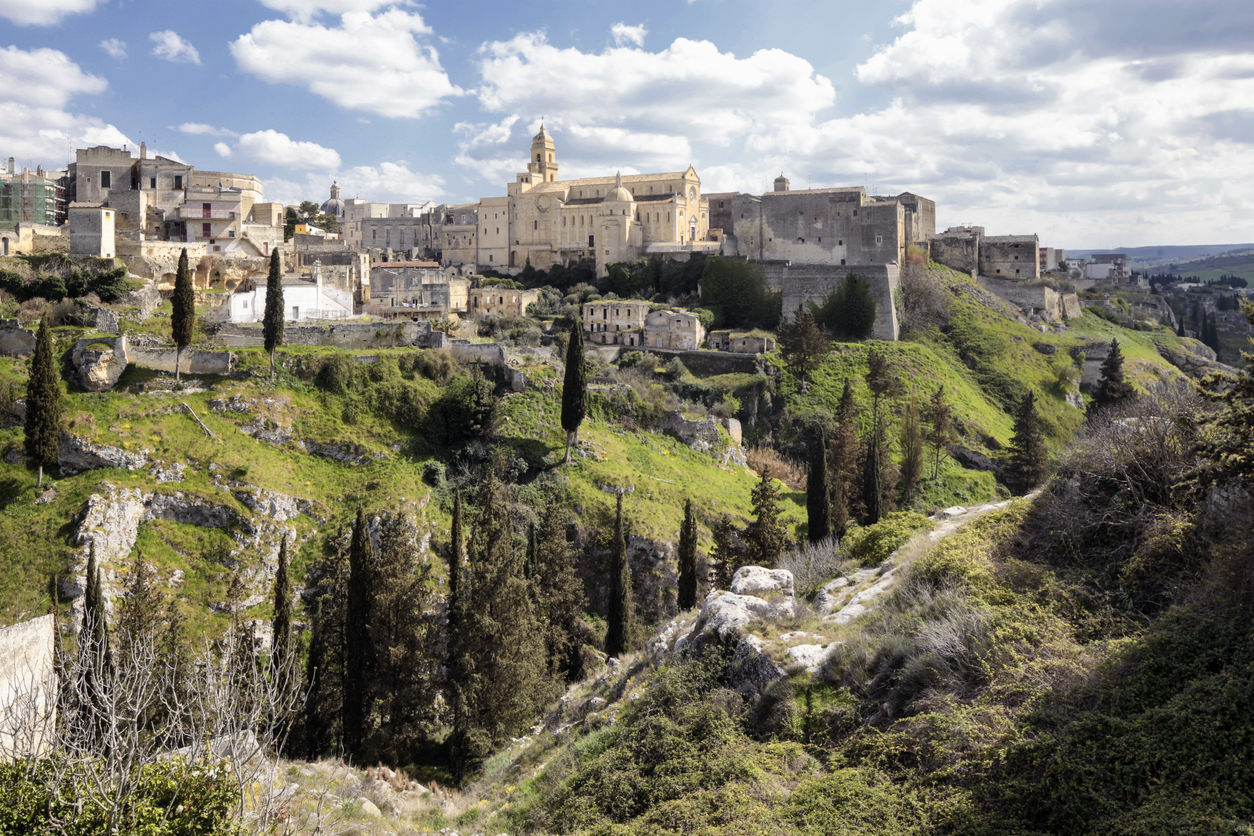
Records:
x=189, y=213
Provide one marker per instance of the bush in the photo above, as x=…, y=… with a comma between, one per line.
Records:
x=337, y=374
x=873, y=544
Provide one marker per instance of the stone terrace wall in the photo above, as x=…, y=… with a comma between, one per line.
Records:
x=339, y=335
x=804, y=283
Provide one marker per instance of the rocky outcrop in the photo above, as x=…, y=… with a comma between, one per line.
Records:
x=705, y=434
x=99, y=362
x=76, y=454
x=145, y=300
x=16, y=341
x=344, y=452
x=1195, y=359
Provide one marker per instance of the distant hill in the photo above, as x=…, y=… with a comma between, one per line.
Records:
x=1182, y=259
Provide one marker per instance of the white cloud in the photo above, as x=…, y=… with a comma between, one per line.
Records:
x=222, y=148
x=625, y=34
x=202, y=129
x=270, y=147
x=171, y=47
x=386, y=182
x=42, y=12
x=36, y=87
x=115, y=47
x=375, y=63
x=307, y=10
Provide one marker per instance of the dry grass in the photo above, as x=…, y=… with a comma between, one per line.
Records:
x=792, y=473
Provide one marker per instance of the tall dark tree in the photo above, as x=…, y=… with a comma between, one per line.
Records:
x=803, y=345
x=43, y=404
x=1028, y=461
x=498, y=677
x=324, y=673
x=844, y=460
x=456, y=561
x=724, y=554
x=358, y=649
x=618, y=619
x=574, y=387
x=1112, y=389
x=849, y=311
x=938, y=417
x=558, y=591
x=912, y=448
x=687, y=559
x=281, y=625
x=818, y=491
x=272, y=320
x=880, y=380
x=140, y=612
x=1227, y=445
x=183, y=314
x=765, y=536
x=95, y=655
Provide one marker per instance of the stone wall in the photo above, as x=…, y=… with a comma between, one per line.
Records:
x=27, y=688
x=339, y=335
x=194, y=361
x=804, y=283
x=16, y=341
x=1011, y=256
x=961, y=253
x=158, y=259
x=1039, y=299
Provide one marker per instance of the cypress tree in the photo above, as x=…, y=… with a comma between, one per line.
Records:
x=1028, y=463
x=724, y=554
x=1111, y=388
x=574, y=387
x=803, y=344
x=879, y=380
x=456, y=561
x=324, y=674
x=844, y=464
x=1227, y=446
x=95, y=654
x=618, y=619
x=911, y=440
x=818, y=491
x=358, y=651
x=687, y=581
x=498, y=677
x=272, y=321
x=558, y=593
x=140, y=611
x=765, y=535
x=281, y=625
x=939, y=418
x=183, y=315
x=43, y=404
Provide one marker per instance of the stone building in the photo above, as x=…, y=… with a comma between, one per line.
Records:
x=615, y=321
x=92, y=230
x=160, y=199
x=678, y=330
x=31, y=197
x=499, y=301
x=415, y=290
x=969, y=250
x=834, y=226
x=740, y=343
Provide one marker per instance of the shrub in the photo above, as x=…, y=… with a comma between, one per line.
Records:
x=336, y=374
x=789, y=471
x=873, y=544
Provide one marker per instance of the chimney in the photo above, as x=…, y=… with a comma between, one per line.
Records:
x=143, y=150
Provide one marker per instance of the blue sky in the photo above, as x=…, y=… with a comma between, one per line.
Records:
x=1095, y=124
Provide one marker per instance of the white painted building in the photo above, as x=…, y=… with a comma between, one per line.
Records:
x=303, y=299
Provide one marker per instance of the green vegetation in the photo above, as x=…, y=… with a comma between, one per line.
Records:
x=871, y=545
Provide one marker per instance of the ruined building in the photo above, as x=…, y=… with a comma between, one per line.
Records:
x=969, y=250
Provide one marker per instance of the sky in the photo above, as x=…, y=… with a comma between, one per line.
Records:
x=1094, y=123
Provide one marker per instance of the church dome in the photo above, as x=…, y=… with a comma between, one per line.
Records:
x=619, y=193
x=333, y=206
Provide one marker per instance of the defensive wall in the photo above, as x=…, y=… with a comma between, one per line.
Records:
x=805, y=283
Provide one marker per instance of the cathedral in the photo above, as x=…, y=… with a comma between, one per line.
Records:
x=547, y=221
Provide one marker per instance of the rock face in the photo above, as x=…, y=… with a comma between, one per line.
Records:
x=99, y=362
x=16, y=341
x=705, y=434
x=75, y=455
x=343, y=452
x=1197, y=360
x=757, y=594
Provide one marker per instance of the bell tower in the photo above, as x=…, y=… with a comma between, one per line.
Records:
x=543, y=160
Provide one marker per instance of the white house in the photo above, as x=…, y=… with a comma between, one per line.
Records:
x=303, y=299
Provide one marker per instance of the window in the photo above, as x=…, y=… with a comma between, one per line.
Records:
x=206, y=230
x=879, y=239
x=152, y=183
x=106, y=178
x=535, y=224
x=178, y=180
